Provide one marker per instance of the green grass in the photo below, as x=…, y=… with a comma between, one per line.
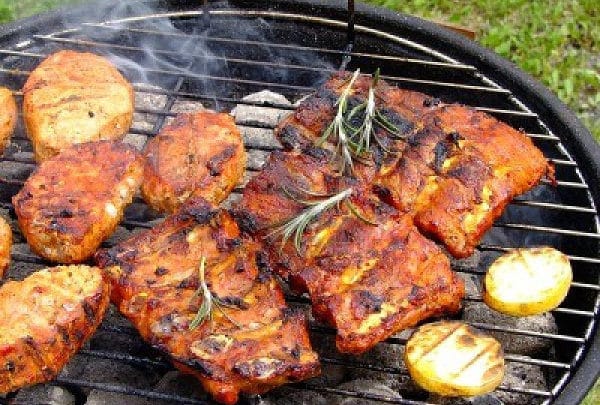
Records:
x=558, y=42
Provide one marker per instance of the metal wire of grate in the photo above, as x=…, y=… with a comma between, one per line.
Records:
x=283, y=54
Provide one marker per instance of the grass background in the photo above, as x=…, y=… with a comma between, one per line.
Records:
x=556, y=41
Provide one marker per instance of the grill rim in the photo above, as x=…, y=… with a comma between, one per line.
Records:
x=550, y=109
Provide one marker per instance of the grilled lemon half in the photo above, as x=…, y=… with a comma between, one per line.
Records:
x=527, y=281
x=453, y=359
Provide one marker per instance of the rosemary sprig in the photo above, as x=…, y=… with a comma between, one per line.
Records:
x=295, y=227
x=339, y=127
x=208, y=300
x=354, y=141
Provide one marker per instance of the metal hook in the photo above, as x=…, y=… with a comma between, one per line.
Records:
x=349, y=36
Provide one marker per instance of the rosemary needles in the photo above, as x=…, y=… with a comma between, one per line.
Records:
x=314, y=207
x=209, y=301
x=353, y=139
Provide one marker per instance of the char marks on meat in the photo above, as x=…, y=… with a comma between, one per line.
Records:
x=367, y=280
x=253, y=342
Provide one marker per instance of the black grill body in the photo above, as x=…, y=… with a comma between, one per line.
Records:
x=220, y=53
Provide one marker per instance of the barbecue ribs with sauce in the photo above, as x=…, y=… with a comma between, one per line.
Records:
x=253, y=343
x=454, y=169
x=368, y=280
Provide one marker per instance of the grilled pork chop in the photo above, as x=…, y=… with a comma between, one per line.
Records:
x=75, y=97
x=73, y=201
x=5, y=244
x=8, y=117
x=198, y=154
x=367, y=279
x=46, y=318
x=253, y=343
x=454, y=169
x=459, y=172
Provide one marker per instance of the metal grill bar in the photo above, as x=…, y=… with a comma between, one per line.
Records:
x=520, y=114
x=268, y=44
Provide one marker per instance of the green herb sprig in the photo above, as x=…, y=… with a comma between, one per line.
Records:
x=316, y=204
x=209, y=301
x=354, y=142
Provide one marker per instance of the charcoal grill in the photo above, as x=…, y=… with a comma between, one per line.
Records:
x=219, y=53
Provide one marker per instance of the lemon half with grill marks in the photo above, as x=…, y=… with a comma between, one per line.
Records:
x=453, y=359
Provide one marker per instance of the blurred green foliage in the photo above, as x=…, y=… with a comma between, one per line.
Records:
x=558, y=42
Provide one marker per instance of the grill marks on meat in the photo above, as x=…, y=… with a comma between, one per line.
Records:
x=198, y=154
x=455, y=173
x=46, y=318
x=73, y=201
x=362, y=279
x=155, y=281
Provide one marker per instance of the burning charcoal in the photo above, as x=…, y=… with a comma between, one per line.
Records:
x=288, y=396
x=520, y=375
x=511, y=342
x=468, y=263
x=259, y=138
x=97, y=397
x=136, y=140
x=256, y=159
x=253, y=115
x=368, y=387
x=231, y=200
x=331, y=374
x=186, y=106
x=472, y=285
x=387, y=356
x=147, y=101
x=109, y=371
x=175, y=382
x=44, y=394
x=487, y=399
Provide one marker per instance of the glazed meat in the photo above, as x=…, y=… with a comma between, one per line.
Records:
x=8, y=117
x=459, y=172
x=46, y=318
x=454, y=169
x=198, y=154
x=253, y=341
x=74, y=201
x=367, y=279
x=5, y=244
x=74, y=97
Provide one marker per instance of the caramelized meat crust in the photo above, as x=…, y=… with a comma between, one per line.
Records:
x=455, y=170
x=5, y=245
x=303, y=128
x=74, y=201
x=459, y=172
x=369, y=280
x=74, y=97
x=46, y=318
x=198, y=154
x=252, y=344
x=8, y=117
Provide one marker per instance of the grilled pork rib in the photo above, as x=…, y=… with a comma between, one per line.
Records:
x=368, y=280
x=455, y=170
x=253, y=342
